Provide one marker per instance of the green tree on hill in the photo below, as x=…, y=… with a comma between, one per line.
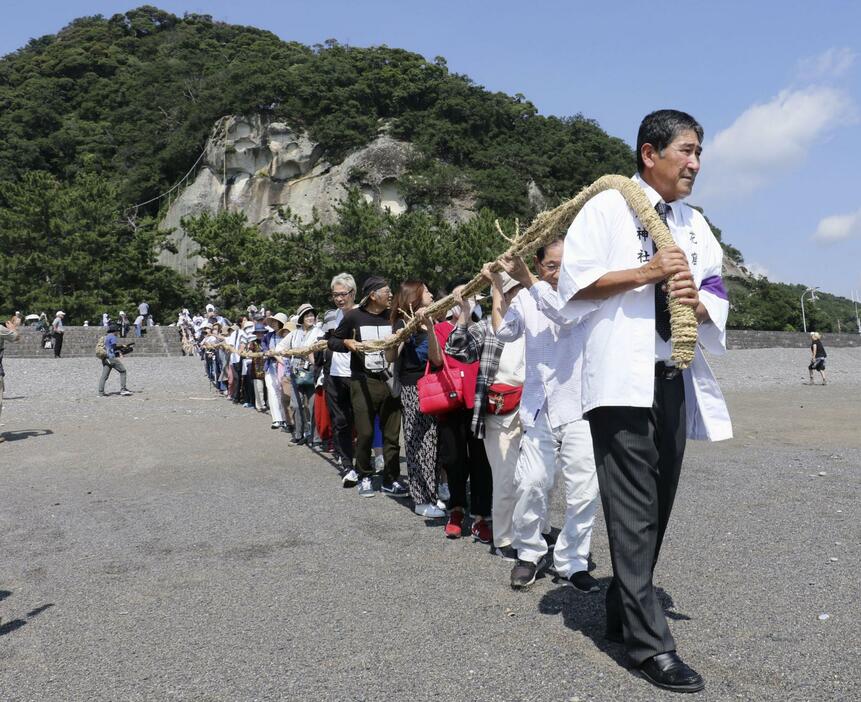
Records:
x=283, y=271
x=67, y=245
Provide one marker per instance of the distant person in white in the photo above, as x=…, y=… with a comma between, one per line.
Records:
x=639, y=405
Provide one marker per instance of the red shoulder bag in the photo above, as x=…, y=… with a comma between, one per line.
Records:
x=440, y=392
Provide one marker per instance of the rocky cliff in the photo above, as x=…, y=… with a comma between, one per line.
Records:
x=263, y=168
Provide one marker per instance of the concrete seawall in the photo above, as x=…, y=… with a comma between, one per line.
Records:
x=752, y=339
x=81, y=341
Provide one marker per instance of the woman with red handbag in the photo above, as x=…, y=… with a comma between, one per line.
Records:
x=495, y=418
x=460, y=452
x=420, y=430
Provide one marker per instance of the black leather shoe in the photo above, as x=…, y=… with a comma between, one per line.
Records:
x=670, y=672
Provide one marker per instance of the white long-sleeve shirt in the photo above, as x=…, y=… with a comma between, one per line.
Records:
x=620, y=347
x=553, y=358
x=298, y=339
x=236, y=339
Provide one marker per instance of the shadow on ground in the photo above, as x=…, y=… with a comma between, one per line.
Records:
x=587, y=614
x=25, y=434
x=15, y=624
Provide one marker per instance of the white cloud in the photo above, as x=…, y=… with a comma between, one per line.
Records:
x=769, y=138
x=829, y=64
x=839, y=227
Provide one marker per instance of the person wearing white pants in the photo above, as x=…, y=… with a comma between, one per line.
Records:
x=273, y=394
x=555, y=438
x=501, y=442
x=271, y=379
x=546, y=451
x=495, y=419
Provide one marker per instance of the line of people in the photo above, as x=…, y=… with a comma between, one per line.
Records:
x=473, y=466
x=571, y=381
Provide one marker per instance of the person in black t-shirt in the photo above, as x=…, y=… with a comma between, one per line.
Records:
x=369, y=390
x=817, y=356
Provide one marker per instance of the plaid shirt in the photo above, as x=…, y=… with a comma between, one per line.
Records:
x=477, y=343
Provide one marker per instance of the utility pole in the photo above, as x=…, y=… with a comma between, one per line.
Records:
x=855, y=301
x=812, y=292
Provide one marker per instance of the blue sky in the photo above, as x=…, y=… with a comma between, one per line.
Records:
x=777, y=86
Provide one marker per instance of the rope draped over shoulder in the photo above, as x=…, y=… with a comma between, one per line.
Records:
x=546, y=227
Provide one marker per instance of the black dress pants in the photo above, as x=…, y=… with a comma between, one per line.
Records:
x=464, y=458
x=341, y=413
x=237, y=385
x=58, y=344
x=638, y=454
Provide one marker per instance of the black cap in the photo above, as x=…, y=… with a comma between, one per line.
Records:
x=372, y=284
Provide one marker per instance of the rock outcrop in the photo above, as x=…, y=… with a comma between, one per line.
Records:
x=263, y=168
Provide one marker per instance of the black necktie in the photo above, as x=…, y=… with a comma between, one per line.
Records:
x=662, y=304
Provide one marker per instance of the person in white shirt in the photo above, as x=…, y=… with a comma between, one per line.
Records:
x=338, y=374
x=303, y=372
x=57, y=331
x=639, y=405
x=236, y=339
x=272, y=381
x=495, y=417
x=555, y=436
x=8, y=332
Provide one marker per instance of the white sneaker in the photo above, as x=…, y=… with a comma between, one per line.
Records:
x=351, y=479
x=379, y=464
x=443, y=492
x=430, y=511
x=366, y=488
x=124, y=392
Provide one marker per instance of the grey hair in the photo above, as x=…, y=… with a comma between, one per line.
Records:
x=344, y=279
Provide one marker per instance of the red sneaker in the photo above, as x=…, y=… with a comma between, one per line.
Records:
x=454, y=527
x=481, y=531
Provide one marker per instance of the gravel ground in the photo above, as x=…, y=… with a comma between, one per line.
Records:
x=168, y=545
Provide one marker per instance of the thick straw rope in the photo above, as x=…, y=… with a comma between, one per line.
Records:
x=546, y=227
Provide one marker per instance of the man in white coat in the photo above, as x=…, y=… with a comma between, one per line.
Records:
x=639, y=405
x=556, y=438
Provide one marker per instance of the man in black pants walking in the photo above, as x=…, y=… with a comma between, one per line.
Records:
x=57, y=332
x=338, y=372
x=633, y=394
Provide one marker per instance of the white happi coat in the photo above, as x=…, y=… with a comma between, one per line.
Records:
x=621, y=345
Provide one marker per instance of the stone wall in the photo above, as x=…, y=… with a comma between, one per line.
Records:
x=81, y=341
x=750, y=339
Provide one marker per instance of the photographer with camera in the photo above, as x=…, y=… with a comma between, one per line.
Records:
x=113, y=352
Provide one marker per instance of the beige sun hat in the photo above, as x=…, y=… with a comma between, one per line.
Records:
x=508, y=283
x=304, y=308
x=281, y=318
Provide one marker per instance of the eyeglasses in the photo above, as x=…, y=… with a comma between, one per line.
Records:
x=338, y=295
x=549, y=267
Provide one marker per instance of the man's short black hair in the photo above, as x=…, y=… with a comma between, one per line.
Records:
x=660, y=128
